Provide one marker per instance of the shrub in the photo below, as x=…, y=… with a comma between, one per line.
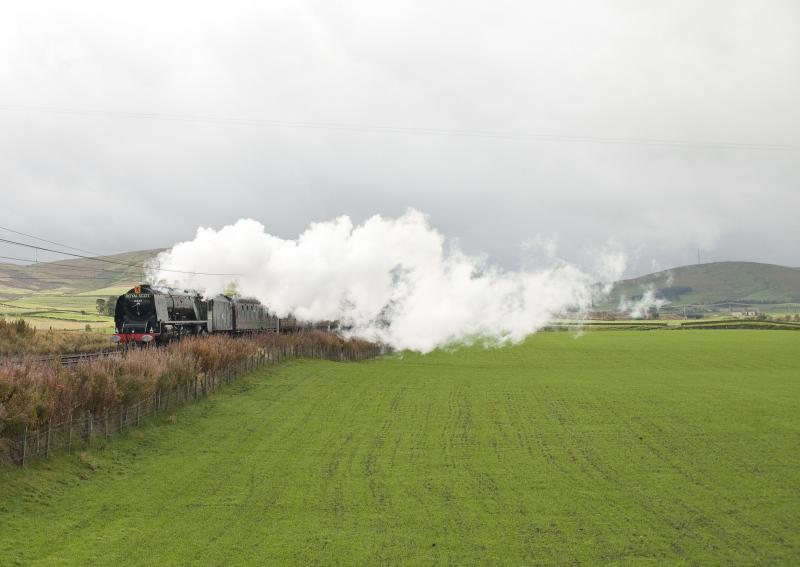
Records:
x=34, y=392
x=19, y=338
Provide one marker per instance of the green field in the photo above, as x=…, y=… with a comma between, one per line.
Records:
x=44, y=310
x=630, y=448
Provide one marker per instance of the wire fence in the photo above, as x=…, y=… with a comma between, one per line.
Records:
x=79, y=430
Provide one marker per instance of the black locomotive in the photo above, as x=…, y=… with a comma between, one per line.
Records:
x=147, y=314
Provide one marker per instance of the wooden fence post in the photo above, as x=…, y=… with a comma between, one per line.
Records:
x=49, y=433
x=69, y=435
x=138, y=412
x=24, y=446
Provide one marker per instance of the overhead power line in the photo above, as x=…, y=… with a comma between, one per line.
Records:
x=64, y=279
x=57, y=280
x=22, y=272
x=50, y=241
x=96, y=255
x=37, y=266
x=42, y=309
x=19, y=260
x=543, y=137
x=105, y=259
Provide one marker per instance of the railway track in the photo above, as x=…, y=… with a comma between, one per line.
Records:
x=73, y=359
x=68, y=360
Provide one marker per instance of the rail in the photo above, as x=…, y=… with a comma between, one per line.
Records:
x=68, y=360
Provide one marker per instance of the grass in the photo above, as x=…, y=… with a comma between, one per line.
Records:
x=67, y=326
x=37, y=394
x=47, y=311
x=76, y=317
x=22, y=336
x=60, y=313
x=106, y=291
x=616, y=448
x=65, y=302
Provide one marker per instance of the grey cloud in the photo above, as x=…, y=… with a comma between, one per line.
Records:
x=709, y=71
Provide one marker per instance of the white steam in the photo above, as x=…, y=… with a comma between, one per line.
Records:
x=395, y=280
x=640, y=309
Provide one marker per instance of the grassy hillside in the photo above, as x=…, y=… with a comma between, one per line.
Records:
x=719, y=282
x=615, y=448
x=62, y=294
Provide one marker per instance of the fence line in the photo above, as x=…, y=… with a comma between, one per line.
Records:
x=82, y=429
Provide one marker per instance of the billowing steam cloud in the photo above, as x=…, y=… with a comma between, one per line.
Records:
x=395, y=280
x=640, y=309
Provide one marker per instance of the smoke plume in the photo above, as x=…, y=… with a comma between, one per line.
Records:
x=399, y=280
x=640, y=309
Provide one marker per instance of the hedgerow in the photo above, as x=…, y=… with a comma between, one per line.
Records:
x=34, y=393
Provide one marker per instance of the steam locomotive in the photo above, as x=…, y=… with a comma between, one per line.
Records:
x=147, y=314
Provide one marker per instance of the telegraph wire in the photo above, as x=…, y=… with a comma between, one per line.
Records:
x=18, y=259
x=44, y=267
x=60, y=278
x=544, y=137
x=37, y=266
x=95, y=255
x=50, y=241
x=45, y=309
x=108, y=260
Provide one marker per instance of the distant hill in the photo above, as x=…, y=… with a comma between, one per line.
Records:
x=717, y=282
x=76, y=275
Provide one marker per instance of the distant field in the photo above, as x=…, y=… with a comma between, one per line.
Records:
x=106, y=291
x=56, y=324
x=62, y=295
x=615, y=448
x=718, y=322
x=42, y=323
x=46, y=311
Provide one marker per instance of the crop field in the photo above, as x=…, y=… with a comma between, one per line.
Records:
x=45, y=324
x=627, y=447
x=47, y=311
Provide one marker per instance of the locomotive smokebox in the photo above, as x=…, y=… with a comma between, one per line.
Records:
x=146, y=314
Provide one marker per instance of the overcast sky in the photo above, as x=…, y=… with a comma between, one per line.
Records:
x=109, y=178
